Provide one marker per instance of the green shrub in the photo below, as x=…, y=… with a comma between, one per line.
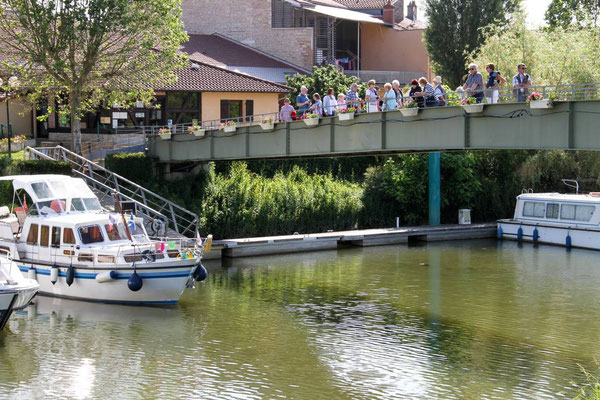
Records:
x=136, y=167
x=35, y=167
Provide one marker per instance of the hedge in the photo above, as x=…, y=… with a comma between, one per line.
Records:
x=136, y=167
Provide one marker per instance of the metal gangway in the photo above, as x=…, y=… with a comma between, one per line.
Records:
x=161, y=217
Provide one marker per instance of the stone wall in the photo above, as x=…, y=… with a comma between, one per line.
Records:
x=249, y=21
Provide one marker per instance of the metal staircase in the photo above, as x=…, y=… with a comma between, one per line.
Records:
x=161, y=217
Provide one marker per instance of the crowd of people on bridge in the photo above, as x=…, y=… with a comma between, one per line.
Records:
x=421, y=92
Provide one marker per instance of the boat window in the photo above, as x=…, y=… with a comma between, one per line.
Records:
x=534, y=209
x=552, y=210
x=55, y=236
x=576, y=212
x=90, y=234
x=42, y=191
x=584, y=213
x=77, y=205
x=85, y=257
x=567, y=211
x=103, y=258
x=68, y=236
x=112, y=231
x=45, y=236
x=32, y=236
x=92, y=204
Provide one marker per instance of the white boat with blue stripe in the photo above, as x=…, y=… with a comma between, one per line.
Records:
x=571, y=220
x=59, y=235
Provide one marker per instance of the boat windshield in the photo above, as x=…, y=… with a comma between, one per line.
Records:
x=57, y=196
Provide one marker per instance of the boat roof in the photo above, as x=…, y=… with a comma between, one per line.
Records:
x=588, y=197
x=76, y=219
x=23, y=179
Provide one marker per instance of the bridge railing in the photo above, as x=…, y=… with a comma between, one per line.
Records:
x=565, y=92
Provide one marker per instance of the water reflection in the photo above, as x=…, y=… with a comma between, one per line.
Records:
x=452, y=320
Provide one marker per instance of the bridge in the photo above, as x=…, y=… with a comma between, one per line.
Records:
x=568, y=125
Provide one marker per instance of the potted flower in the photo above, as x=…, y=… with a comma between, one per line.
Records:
x=267, y=124
x=409, y=109
x=470, y=105
x=164, y=133
x=536, y=100
x=346, y=113
x=229, y=126
x=196, y=130
x=310, y=119
x=17, y=143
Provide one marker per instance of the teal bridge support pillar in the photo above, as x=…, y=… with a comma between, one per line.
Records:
x=434, y=188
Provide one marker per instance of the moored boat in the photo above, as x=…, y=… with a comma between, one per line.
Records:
x=571, y=220
x=59, y=235
x=16, y=291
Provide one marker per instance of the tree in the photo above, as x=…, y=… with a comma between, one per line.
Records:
x=85, y=54
x=454, y=31
x=322, y=79
x=573, y=13
x=553, y=57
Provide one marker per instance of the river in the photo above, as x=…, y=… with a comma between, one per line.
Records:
x=471, y=319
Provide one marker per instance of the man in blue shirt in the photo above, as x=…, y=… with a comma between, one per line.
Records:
x=474, y=83
x=302, y=101
x=521, y=83
x=352, y=99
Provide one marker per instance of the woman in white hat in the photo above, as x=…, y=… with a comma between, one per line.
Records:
x=438, y=90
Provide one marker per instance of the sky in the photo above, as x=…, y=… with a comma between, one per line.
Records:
x=535, y=10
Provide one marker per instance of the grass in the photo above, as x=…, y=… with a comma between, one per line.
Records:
x=18, y=155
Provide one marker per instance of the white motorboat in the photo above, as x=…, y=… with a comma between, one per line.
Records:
x=571, y=220
x=16, y=291
x=60, y=236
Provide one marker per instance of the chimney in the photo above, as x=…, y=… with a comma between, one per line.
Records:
x=398, y=11
x=412, y=11
x=388, y=13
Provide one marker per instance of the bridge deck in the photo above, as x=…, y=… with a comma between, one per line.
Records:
x=569, y=125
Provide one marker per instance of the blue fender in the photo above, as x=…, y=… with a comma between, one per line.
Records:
x=520, y=234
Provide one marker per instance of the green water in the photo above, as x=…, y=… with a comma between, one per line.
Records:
x=475, y=320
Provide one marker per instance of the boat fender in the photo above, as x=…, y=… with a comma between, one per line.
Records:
x=536, y=235
x=520, y=234
x=499, y=233
x=208, y=244
x=200, y=273
x=70, y=275
x=32, y=273
x=135, y=282
x=568, y=241
x=54, y=274
x=106, y=276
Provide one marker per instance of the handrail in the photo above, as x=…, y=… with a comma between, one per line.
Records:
x=577, y=91
x=184, y=222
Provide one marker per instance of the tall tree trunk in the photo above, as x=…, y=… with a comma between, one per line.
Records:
x=75, y=123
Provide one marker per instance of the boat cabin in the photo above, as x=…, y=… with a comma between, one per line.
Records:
x=570, y=209
x=59, y=219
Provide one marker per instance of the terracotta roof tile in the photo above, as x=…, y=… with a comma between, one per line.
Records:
x=209, y=78
x=221, y=51
x=363, y=4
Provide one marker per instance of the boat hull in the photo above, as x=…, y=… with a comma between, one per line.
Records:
x=161, y=285
x=581, y=237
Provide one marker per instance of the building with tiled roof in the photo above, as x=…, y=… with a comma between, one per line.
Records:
x=227, y=53
x=366, y=38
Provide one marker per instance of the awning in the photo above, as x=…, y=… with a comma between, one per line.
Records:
x=341, y=13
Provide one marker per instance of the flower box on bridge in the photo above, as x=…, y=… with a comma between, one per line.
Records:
x=473, y=108
x=409, y=112
x=543, y=103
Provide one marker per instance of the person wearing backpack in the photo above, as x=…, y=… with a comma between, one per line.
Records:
x=494, y=80
x=521, y=83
